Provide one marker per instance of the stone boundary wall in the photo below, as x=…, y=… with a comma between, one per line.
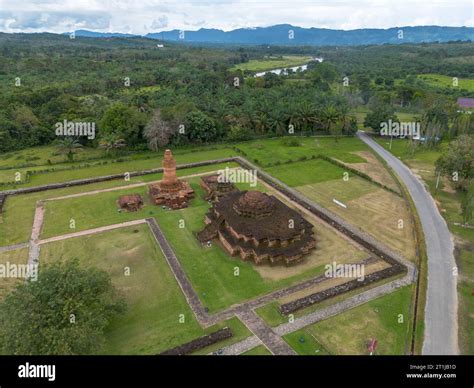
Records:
x=317, y=297
x=199, y=343
x=398, y=263
x=79, y=182
x=3, y=197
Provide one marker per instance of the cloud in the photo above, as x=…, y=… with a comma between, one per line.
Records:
x=159, y=23
x=141, y=17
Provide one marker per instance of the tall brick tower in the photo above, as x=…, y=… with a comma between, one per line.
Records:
x=170, y=179
x=171, y=191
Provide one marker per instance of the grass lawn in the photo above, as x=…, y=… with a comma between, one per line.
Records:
x=307, y=172
x=349, y=332
x=266, y=152
x=304, y=343
x=444, y=81
x=155, y=302
x=374, y=210
x=18, y=211
x=273, y=63
x=19, y=256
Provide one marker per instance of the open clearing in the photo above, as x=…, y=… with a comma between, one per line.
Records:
x=152, y=294
x=385, y=319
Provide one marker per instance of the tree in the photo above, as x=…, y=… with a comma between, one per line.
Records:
x=199, y=127
x=380, y=113
x=69, y=146
x=123, y=122
x=112, y=143
x=467, y=204
x=65, y=311
x=157, y=132
x=458, y=161
x=331, y=118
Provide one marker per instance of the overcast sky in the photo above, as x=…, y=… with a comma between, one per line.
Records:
x=143, y=16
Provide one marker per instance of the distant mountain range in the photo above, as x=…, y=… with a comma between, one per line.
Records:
x=286, y=34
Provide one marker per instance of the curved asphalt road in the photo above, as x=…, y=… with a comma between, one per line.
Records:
x=441, y=303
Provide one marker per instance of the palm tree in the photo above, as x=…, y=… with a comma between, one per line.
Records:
x=331, y=118
x=69, y=146
x=112, y=144
x=307, y=115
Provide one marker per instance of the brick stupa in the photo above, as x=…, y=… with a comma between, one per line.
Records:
x=171, y=191
x=258, y=227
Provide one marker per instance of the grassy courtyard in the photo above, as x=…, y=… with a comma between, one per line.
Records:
x=18, y=211
x=155, y=303
x=386, y=319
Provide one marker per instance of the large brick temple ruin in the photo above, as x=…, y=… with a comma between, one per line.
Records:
x=258, y=227
x=170, y=191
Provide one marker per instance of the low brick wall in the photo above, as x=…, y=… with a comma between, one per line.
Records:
x=317, y=297
x=199, y=343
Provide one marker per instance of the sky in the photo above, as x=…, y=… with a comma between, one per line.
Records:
x=144, y=16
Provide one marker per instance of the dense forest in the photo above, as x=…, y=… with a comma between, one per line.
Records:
x=141, y=95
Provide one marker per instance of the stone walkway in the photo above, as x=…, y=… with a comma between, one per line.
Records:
x=272, y=341
x=91, y=231
x=178, y=272
x=34, y=251
x=14, y=247
x=320, y=315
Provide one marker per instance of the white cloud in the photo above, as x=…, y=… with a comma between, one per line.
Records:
x=143, y=16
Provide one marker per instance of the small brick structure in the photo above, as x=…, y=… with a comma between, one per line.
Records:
x=216, y=187
x=131, y=203
x=199, y=343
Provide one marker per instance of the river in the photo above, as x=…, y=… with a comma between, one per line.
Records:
x=283, y=70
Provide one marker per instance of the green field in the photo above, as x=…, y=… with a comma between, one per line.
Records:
x=273, y=63
x=268, y=152
x=155, y=303
x=349, y=332
x=444, y=81
x=304, y=343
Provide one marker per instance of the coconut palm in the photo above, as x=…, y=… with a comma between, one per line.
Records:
x=69, y=146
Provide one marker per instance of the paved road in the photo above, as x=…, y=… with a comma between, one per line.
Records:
x=441, y=303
